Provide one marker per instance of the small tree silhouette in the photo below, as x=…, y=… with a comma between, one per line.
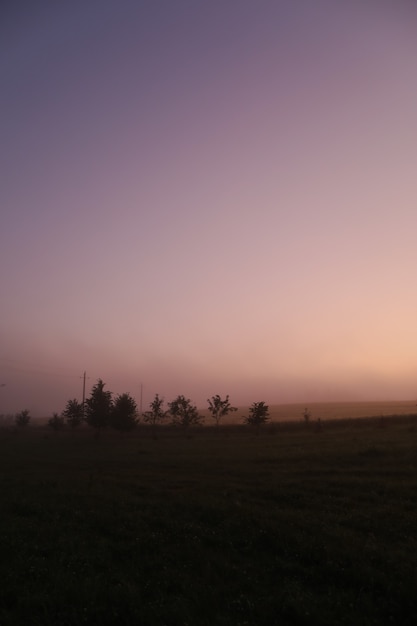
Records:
x=258, y=415
x=73, y=413
x=306, y=415
x=98, y=407
x=156, y=415
x=184, y=413
x=219, y=408
x=22, y=419
x=56, y=422
x=124, y=414
x=319, y=426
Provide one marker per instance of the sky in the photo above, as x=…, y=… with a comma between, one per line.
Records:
x=202, y=197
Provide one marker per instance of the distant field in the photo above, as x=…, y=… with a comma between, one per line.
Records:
x=291, y=526
x=294, y=412
x=328, y=410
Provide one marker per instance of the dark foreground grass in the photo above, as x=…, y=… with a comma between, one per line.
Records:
x=290, y=527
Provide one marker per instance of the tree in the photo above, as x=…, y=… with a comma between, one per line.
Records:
x=98, y=407
x=73, y=413
x=184, y=413
x=124, y=414
x=56, y=422
x=219, y=408
x=22, y=419
x=306, y=416
x=258, y=414
x=157, y=414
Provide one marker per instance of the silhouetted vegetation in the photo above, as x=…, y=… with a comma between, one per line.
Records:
x=184, y=413
x=73, y=413
x=22, y=419
x=258, y=415
x=56, y=422
x=98, y=407
x=124, y=413
x=157, y=414
x=220, y=408
x=306, y=415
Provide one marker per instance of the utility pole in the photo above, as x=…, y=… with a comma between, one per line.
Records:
x=141, y=396
x=84, y=386
x=2, y=384
x=84, y=376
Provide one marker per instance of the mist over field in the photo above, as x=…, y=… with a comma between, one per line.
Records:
x=43, y=391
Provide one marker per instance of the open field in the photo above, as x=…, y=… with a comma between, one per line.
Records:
x=327, y=410
x=288, y=527
x=294, y=412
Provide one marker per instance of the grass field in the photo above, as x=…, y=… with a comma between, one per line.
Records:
x=327, y=410
x=288, y=527
x=292, y=412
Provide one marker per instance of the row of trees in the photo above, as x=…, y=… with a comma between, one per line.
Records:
x=101, y=409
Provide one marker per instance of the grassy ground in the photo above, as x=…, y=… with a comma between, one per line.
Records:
x=288, y=527
x=326, y=410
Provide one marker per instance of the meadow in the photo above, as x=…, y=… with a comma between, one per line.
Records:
x=292, y=526
x=327, y=410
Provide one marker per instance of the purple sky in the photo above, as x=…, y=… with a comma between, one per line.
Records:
x=208, y=197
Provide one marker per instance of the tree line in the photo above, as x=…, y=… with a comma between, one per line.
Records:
x=101, y=410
